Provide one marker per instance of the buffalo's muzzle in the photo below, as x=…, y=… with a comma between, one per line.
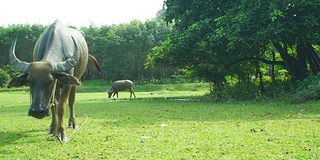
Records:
x=38, y=113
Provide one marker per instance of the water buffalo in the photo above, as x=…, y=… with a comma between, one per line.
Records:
x=121, y=85
x=60, y=58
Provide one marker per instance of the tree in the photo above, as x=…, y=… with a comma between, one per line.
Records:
x=290, y=26
x=27, y=36
x=120, y=49
x=214, y=39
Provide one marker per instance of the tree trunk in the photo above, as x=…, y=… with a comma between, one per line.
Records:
x=310, y=55
x=272, y=66
x=260, y=76
x=296, y=66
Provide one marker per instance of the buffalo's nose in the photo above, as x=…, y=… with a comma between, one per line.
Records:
x=38, y=113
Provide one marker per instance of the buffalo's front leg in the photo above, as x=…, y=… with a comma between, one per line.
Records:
x=54, y=121
x=60, y=131
x=72, y=119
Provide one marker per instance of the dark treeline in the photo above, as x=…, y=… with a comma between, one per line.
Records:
x=121, y=49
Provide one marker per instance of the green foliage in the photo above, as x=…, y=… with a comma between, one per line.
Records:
x=27, y=36
x=306, y=90
x=10, y=71
x=4, y=78
x=251, y=88
x=217, y=39
x=275, y=14
x=6, y=73
x=120, y=49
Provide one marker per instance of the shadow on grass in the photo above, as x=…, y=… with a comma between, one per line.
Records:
x=14, y=137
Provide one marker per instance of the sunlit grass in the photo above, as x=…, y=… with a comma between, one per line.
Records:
x=155, y=127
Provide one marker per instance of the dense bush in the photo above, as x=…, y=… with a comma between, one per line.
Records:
x=306, y=90
x=294, y=92
x=6, y=73
x=4, y=78
x=10, y=71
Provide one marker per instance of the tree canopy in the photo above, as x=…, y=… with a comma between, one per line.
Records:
x=121, y=49
x=217, y=38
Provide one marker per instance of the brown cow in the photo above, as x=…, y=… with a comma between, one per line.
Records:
x=60, y=58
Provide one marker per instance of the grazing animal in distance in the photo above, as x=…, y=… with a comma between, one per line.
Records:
x=121, y=85
x=60, y=57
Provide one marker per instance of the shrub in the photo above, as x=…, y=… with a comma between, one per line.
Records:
x=10, y=71
x=306, y=90
x=4, y=78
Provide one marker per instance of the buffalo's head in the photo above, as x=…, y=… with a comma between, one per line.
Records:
x=40, y=76
x=110, y=92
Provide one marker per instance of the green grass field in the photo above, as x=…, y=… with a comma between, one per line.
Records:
x=163, y=123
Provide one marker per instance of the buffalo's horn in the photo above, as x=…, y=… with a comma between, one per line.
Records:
x=18, y=65
x=70, y=62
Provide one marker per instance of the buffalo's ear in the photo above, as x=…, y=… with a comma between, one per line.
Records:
x=18, y=81
x=67, y=79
